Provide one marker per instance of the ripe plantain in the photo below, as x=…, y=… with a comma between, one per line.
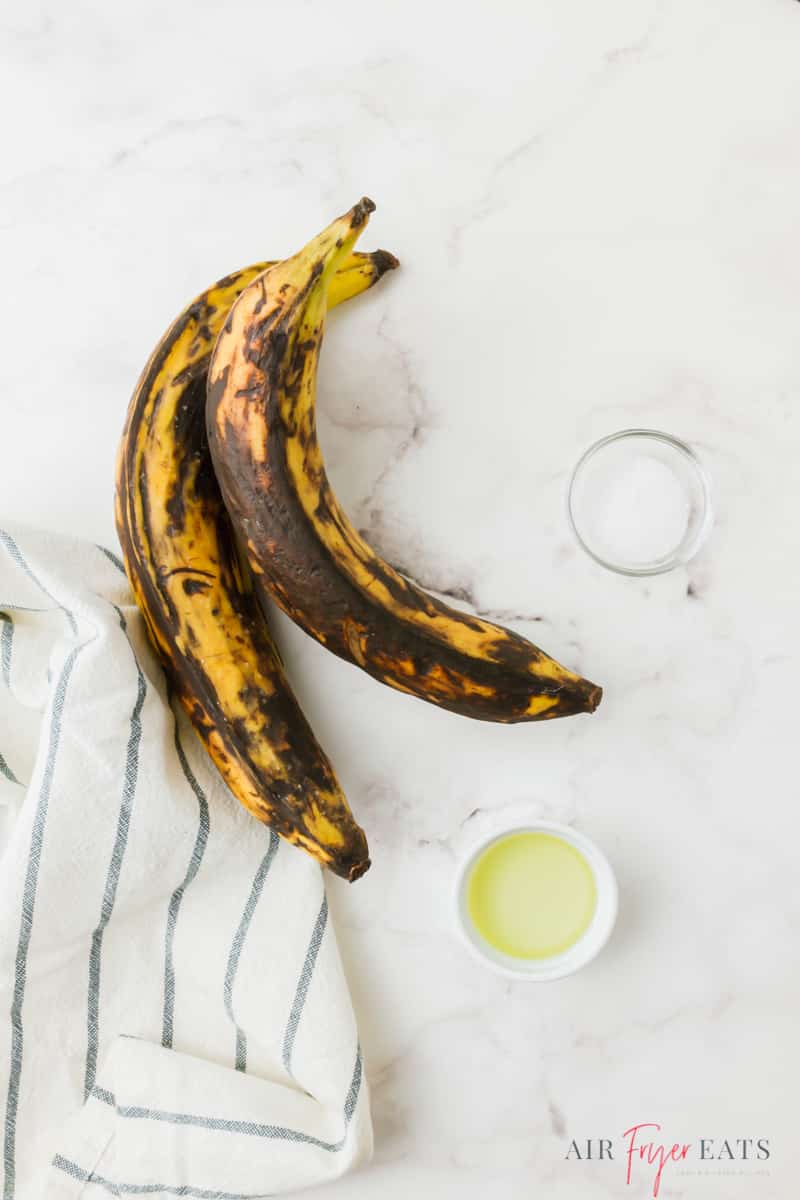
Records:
x=301, y=547
x=203, y=618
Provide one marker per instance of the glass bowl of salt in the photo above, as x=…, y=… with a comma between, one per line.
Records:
x=639, y=502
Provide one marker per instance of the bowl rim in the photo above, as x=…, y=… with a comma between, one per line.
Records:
x=587, y=947
x=690, y=544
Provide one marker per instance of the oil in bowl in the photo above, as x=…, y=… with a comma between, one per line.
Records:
x=537, y=902
x=531, y=895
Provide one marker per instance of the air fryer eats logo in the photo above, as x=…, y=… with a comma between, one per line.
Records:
x=648, y=1157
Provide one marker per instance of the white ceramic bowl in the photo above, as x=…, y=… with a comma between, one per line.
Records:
x=578, y=955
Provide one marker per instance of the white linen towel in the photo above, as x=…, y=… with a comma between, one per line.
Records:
x=174, y=1019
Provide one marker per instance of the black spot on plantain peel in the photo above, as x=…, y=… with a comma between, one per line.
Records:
x=198, y=603
x=304, y=552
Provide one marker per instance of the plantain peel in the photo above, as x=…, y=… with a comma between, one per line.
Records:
x=304, y=552
x=199, y=606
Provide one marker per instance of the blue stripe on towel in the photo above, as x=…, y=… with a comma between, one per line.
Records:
x=114, y=869
x=151, y=1189
x=304, y=983
x=31, y=871
x=248, y=1128
x=6, y=644
x=13, y=550
x=238, y=943
x=112, y=558
x=351, y=1099
x=176, y=899
x=6, y=771
x=26, y=924
x=196, y=858
x=227, y=1125
x=7, y=605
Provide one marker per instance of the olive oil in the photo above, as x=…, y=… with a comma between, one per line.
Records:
x=531, y=895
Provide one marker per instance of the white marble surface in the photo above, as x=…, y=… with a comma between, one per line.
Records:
x=596, y=209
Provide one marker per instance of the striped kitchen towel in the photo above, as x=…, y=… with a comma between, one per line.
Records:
x=175, y=1019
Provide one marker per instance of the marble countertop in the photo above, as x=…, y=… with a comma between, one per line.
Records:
x=595, y=206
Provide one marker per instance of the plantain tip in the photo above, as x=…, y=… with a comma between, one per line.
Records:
x=359, y=213
x=575, y=696
x=383, y=261
x=358, y=869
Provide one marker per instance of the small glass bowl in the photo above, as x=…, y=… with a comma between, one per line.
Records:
x=599, y=466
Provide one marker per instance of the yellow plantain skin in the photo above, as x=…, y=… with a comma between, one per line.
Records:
x=301, y=547
x=202, y=616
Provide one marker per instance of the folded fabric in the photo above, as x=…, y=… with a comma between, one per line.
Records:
x=177, y=1022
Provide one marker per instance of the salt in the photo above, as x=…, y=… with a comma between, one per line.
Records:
x=641, y=511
